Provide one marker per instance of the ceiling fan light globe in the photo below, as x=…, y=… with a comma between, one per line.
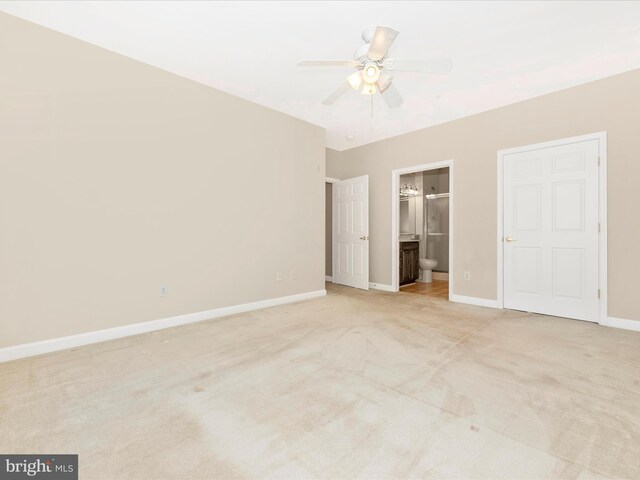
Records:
x=370, y=73
x=355, y=80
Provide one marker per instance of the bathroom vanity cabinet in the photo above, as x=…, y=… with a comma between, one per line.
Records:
x=409, y=258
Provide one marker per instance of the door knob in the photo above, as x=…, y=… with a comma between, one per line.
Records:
x=509, y=239
x=364, y=237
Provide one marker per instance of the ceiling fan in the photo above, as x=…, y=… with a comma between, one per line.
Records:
x=374, y=67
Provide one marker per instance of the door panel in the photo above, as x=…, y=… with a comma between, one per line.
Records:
x=568, y=270
x=527, y=208
x=568, y=206
x=526, y=270
x=351, y=227
x=343, y=218
x=343, y=258
x=358, y=260
x=551, y=230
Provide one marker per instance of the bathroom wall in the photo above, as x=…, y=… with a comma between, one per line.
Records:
x=436, y=181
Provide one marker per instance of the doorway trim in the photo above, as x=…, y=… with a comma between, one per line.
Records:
x=331, y=181
x=395, y=217
x=602, y=212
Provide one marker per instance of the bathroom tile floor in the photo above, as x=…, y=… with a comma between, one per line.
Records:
x=437, y=288
x=357, y=384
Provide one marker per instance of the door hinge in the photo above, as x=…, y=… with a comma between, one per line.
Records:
x=598, y=161
x=598, y=293
x=598, y=227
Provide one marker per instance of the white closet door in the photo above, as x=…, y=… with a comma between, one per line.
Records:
x=351, y=232
x=551, y=230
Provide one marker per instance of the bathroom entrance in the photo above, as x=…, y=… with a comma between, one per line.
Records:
x=422, y=235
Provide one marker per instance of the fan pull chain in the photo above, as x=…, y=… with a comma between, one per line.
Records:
x=372, y=105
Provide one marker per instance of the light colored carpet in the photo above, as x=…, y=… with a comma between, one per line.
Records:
x=354, y=385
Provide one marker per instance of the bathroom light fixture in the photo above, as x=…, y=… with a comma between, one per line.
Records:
x=408, y=191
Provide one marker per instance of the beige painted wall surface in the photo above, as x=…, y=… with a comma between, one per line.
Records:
x=609, y=105
x=334, y=163
x=114, y=180
x=328, y=228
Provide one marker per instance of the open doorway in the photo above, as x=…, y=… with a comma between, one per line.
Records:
x=328, y=229
x=422, y=223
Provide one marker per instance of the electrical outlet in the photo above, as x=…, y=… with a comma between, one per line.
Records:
x=293, y=274
x=278, y=276
x=467, y=275
x=164, y=291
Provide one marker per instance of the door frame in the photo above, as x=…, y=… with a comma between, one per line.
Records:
x=602, y=212
x=331, y=181
x=395, y=217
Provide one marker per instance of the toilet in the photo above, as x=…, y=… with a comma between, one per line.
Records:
x=427, y=265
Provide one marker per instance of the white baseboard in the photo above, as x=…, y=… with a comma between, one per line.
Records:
x=328, y=278
x=72, y=341
x=479, y=302
x=440, y=276
x=622, y=323
x=381, y=286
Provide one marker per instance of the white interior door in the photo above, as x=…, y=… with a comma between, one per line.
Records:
x=351, y=232
x=551, y=230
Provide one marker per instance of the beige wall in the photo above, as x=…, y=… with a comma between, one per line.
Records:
x=115, y=180
x=611, y=105
x=328, y=228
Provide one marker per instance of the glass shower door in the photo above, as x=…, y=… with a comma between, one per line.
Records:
x=436, y=224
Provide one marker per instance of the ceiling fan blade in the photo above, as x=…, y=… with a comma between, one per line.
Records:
x=384, y=81
x=328, y=63
x=436, y=65
x=341, y=90
x=391, y=97
x=382, y=39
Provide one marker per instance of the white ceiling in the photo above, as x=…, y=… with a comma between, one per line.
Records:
x=503, y=52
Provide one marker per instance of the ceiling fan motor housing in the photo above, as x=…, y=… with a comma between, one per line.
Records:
x=361, y=52
x=367, y=34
